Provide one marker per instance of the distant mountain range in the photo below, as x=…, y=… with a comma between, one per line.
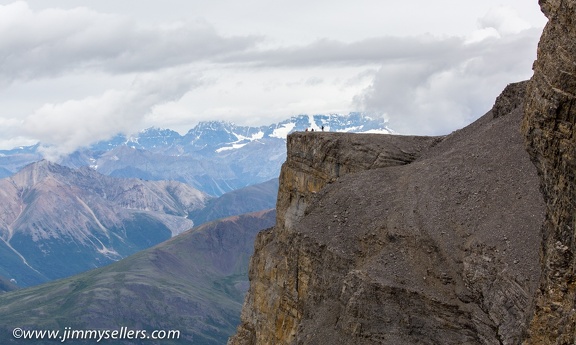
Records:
x=106, y=205
x=214, y=157
x=194, y=283
x=120, y=196
x=56, y=221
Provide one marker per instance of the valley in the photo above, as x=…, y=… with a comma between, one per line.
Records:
x=194, y=282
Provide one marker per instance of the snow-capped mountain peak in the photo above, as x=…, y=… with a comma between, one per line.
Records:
x=214, y=156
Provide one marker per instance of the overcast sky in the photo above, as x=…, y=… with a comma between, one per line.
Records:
x=73, y=72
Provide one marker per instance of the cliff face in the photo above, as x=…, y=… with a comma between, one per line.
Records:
x=316, y=160
x=550, y=129
x=401, y=240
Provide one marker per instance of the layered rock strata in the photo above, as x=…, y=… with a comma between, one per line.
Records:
x=550, y=130
x=385, y=239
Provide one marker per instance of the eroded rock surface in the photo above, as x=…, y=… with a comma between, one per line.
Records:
x=401, y=240
x=550, y=129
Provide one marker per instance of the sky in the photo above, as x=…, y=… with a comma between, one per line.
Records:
x=73, y=72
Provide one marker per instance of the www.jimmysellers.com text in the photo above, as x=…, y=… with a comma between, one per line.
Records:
x=97, y=335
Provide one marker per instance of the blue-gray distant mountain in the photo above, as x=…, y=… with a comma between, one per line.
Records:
x=194, y=283
x=215, y=157
x=7, y=285
x=11, y=161
x=253, y=198
x=56, y=221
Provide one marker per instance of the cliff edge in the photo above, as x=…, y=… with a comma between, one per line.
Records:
x=549, y=127
x=383, y=239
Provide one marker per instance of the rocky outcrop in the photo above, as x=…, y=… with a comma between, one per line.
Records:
x=385, y=239
x=550, y=127
x=316, y=160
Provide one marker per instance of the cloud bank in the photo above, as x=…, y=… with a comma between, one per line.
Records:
x=434, y=97
x=113, y=73
x=52, y=42
x=67, y=126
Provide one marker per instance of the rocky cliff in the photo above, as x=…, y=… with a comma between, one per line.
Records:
x=401, y=240
x=549, y=128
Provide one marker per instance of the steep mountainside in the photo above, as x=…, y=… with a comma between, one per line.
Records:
x=55, y=221
x=550, y=129
x=253, y=198
x=385, y=239
x=7, y=285
x=194, y=283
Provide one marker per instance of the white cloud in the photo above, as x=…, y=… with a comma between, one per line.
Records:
x=54, y=41
x=66, y=72
x=505, y=20
x=263, y=95
x=367, y=51
x=498, y=22
x=430, y=97
x=66, y=126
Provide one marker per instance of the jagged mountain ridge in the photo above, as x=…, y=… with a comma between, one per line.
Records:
x=194, y=282
x=56, y=221
x=215, y=157
x=217, y=136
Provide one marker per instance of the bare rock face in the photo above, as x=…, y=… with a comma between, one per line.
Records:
x=316, y=160
x=550, y=130
x=385, y=239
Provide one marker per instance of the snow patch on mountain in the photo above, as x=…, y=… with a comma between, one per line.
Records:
x=282, y=132
x=241, y=142
x=233, y=147
x=214, y=156
x=380, y=131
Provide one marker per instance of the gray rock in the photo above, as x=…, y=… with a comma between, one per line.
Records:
x=549, y=127
x=400, y=240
